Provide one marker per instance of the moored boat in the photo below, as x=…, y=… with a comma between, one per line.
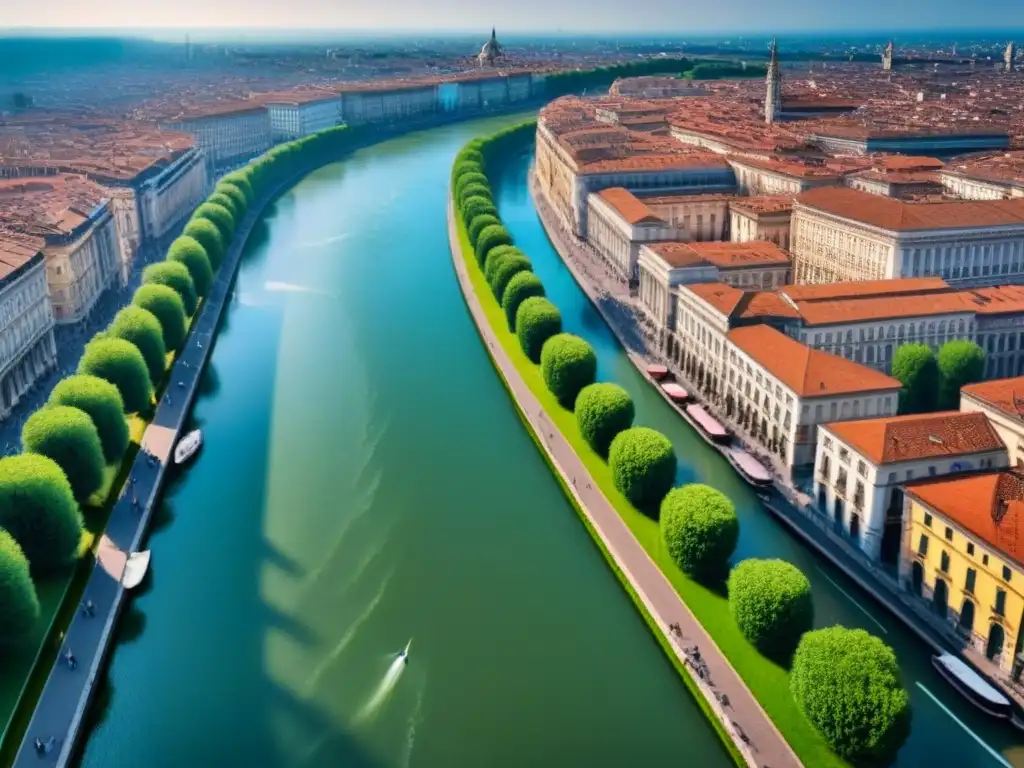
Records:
x=187, y=446
x=657, y=371
x=749, y=467
x=135, y=568
x=675, y=393
x=973, y=686
x=709, y=425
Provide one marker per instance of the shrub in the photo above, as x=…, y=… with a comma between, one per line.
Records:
x=643, y=466
x=141, y=328
x=770, y=601
x=205, y=232
x=537, y=320
x=568, y=364
x=467, y=178
x=847, y=683
x=239, y=181
x=491, y=237
x=474, y=190
x=520, y=288
x=960, y=363
x=699, y=529
x=169, y=309
x=465, y=165
x=120, y=363
x=175, y=276
x=19, y=606
x=189, y=252
x=222, y=198
x=220, y=216
x=914, y=365
x=68, y=436
x=509, y=267
x=494, y=257
x=101, y=400
x=472, y=207
x=602, y=411
x=477, y=225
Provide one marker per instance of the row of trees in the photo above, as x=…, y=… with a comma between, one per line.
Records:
x=714, y=70
x=69, y=444
x=932, y=382
x=578, y=80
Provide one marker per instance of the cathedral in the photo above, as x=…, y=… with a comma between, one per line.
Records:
x=491, y=51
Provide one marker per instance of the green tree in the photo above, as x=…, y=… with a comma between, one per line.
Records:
x=470, y=177
x=568, y=364
x=537, y=320
x=699, y=529
x=520, y=288
x=847, y=683
x=221, y=198
x=509, y=267
x=464, y=166
x=68, y=436
x=221, y=217
x=239, y=181
x=770, y=601
x=473, y=190
x=19, y=606
x=603, y=411
x=189, y=252
x=914, y=365
x=643, y=466
x=175, y=276
x=477, y=225
x=120, y=363
x=141, y=328
x=476, y=206
x=205, y=232
x=491, y=237
x=101, y=400
x=496, y=256
x=169, y=309
x=960, y=362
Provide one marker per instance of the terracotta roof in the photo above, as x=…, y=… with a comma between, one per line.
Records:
x=737, y=304
x=896, y=215
x=16, y=250
x=997, y=300
x=859, y=310
x=915, y=437
x=908, y=163
x=654, y=162
x=724, y=255
x=989, y=505
x=1004, y=395
x=865, y=288
x=808, y=372
x=720, y=296
x=629, y=207
x=763, y=204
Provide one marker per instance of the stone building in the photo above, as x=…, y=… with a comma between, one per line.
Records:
x=230, y=135
x=887, y=57
x=1002, y=401
x=618, y=224
x=490, y=52
x=773, y=88
x=293, y=116
x=761, y=218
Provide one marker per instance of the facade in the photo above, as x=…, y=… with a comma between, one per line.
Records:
x=861, y=467
x=291, y=120
x=230, y=136
x=490, y=52
x=698, y=218
x=168, y=197
x=618, y=224
x=81, y=264
x=759, y=177
x=961, y=557
x=376, y=106
x=841, y=140
x=124, y=206
x=902, y=185
x=1002, y=402
x=761, y=218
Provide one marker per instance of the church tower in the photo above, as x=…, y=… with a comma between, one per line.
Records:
x=773, y=95
x=887, y=57
x=1009, y=55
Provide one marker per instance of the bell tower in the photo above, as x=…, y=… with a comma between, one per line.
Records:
x=773, y=91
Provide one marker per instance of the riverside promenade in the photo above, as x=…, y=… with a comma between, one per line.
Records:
x=750, y=728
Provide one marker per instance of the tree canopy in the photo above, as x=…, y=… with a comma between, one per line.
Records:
x=602, y=411
x=141, y=328
x=68, y=436
x=189, y=252
x=521, y=287
x=699, y=529
x=537, y=320
x=120, y=363
x=568, y=364
x=643, y=465
x=770, y=601
x=101, y=400
x=960, y=363
x=206, y=233
x=175, y=276
x=914, y=365
x=19, y=606
x=167, y=306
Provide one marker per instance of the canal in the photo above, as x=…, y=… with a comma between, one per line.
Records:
x=366, y=481
x=946, y=730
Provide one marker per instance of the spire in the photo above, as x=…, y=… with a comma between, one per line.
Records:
x=494, y=35
x=773, y=81
x=774, y=59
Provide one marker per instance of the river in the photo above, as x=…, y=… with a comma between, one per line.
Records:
x=366, y=481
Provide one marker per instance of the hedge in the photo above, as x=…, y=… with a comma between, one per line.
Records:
x=141, y=328
x=120, y=363
x=101, y=400
x=495, y=256
x=520, y=288
x=643, y=466
x=175, y=276
x=475, y=206
x=699, y=529
x=220, y=216
x=206, y=233
x=166, y=304
x=603, y=411
x=37, y=507
x=239, y=181
x=568, y=364
x=770, y=601
x=465, y=165
x=509, y=267
x=467, y=178
x=847, y=683
x=474, y=190
x=537, y=320
x=19, y=606
x=491, y=237
x=189, y=252
x=477, y=225
x=236, y=205
x=68, y=436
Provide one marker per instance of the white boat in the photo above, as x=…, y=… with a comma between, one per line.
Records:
x=135, y=568
x=187, y=446
x=973, y=686
x=404, y=655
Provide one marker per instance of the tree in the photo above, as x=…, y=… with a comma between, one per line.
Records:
x=914, y=365
x=521, y=287
x=699, y=529
x=477, y=225
x=603, y=411
x=189, y=252
x=470, y=177
x=20, y=606
x=496, y=256
x=509, y=267
x=847, y=683
x=474, y=190
x=221, y=198
x=568, y=364
x=475, y=206
x=68, y=436
x=537, y=320
x=205, y=232
x=120, y=363
x=221, y=217
x=167, y=306
x=101, y=400
x=464, y=166
x=141, y=328
x=175, y=276
x=239, y=181
x=643, y=466
x=770, y=601
x=960, y=362
x=491, y=237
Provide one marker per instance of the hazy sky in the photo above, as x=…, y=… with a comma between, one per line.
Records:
x=763, y=16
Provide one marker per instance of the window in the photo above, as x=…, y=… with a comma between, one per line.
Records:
x=1007, y=573
x=1000, y=606
x=944, y=562
x=862, y=469
x=970, y=548
x=949, y=533
x=922, y=545
x=969, y=581
x=927, y=520
x=984, y=559
x=931, y=471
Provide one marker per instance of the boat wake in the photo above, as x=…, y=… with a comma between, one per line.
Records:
x=275, y=286
x=325, y=241
x=414, y=721
x=383, y=692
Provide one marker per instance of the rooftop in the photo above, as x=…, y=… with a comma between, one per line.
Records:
x=762, y=205
x=629, y=207
x=17, y=250
x=737, y=304
x=724, y=255
x=51, y=205
x=865, y=288
x=1004, y=395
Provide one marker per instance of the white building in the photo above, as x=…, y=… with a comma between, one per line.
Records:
x=618, y=224
x=761, y=218
x=771, y=177
x=172, y=194
x=368, y=105
x=861, y=466
x=294, y=118
x=1002, y=401
x=229, y=135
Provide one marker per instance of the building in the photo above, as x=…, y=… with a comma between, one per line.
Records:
x=773, y=83
x=490, y=52
x=902, y=185
x=362, y=105
x=962, y=557
x=293, y=117
x=169, y=194
x=887, y=57
x=1002, y=401
x=618, y=224
x=1009, y=55
x=27, y=347
x=908, y=139
x=757, y=176
x=761, y=218
x=861, y=467
x=230, y=135
x=655, y=87
x=987, y=177
x=841, y=234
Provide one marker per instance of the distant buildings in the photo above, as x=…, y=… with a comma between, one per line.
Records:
x=491, y=51
x=293, y=118
x=229, y=134
x=887, y=57
x=773, y=96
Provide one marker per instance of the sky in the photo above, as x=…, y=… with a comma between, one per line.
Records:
x=761, y=16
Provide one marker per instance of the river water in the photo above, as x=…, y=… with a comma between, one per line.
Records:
x=365, y=481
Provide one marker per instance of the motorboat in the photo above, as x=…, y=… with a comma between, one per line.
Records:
x=135, y=568
x=188, y=446
x=749, y=468
x=404, y=655
x=707, y=424
x=973, y=686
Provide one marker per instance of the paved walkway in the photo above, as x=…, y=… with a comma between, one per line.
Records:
x=753, y=732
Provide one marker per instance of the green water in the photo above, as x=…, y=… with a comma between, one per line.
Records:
x=365, y=481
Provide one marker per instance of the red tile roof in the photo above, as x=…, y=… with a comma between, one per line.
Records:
x=856, y=310
x=1004, y=395
x=724, y=255
x=737, y=304
x=865, y=288
x=629, y=207
x=762, y=205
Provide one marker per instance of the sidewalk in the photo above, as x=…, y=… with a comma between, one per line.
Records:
x=753, y=732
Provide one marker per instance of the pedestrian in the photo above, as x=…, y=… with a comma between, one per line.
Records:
x=40, y=747
x=69, y=657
